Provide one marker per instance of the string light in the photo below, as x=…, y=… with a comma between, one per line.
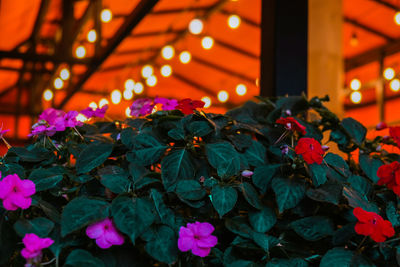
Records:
x=241, y=89
x=354, y=40
x=355, y=84
x=80, y=51
x=103, y=102
x=138, y=89
x=92, y=36
x=93, y=105
x=395, y=85
x=58, y=83
x=147, y=71
x=233, y=21
x=166, y=70
x=81, y=118
x=257, y=82
x=207, y=101
x=116, y=96
x=397, y=18
x=389, y=73
x=356, y=97
x=128, y=112
x=129, y=84
x=106, y=15
x=185, y=57
x=196, y=26
x=64, y=74
x=151, y=81
x=207, y=42
x=48, y=95
x=223, y=96
x=128, y=94
x=168, y=52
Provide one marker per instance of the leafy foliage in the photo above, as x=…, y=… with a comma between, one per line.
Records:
x=155, y=174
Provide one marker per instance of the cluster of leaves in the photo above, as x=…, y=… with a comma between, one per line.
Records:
x=153, y=175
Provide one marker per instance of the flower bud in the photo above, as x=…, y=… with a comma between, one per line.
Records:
x=380, y=126
x=284, y=150
x=325, y=148
x=247, y=173
x=288, y=112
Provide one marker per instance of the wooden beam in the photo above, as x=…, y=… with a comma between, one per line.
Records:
x=42, y=58
x=369, y=29
x=236, y=49
x=386, y=4
x=243, y=19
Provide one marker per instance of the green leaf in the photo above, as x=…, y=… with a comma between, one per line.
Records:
x=115, y=178
x=82, y=258
x=294, y=262
x=92, y=156
x=355, y=129
x=46, y=178
x=313, y=228
x=370, y=166
x=337, y=257
x=242, y=263
x=147, y=150
x=40, y=226
x=177, y=133
x=361, y=185
x=223, y=157
x=166, y=214
x=199, y=128
x=288, y=192
x=337, y=163
x=176, y=166
x=318, y=174
x=356, y=200
x=163, y=246
x=190, y=190
x=239, y=226
x=223, y=199
x=392, y=214
x=262, y=220
x=8, y=241
x=266, y=242
x=251, y=195
x=34, y=155
x=132, y=216
x=263, y=175
x=343, y=235
x=84, y=178
x=82, y=211
x=256, y=154
x=330, y=192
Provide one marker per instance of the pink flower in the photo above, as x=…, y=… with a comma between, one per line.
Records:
x=2, y=132
x=197, y=238
x=39, y=129
x=105, y=234
x=141, y=107
x=247, y=173
x=54, y=117
x=16, y=193
x=167, y=104
x=98, y=112
x=70, y=119
x=34, y=245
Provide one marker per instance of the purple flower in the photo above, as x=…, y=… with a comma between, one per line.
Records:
x=70, y=119
x=247, y=173
x=88, y=112
x=2, y=132
x=197, y=238
x=16, y=193
x=54, y=117
x=167, y=104
x=40, y=129
x=98, y=112
x=105, y=234
x=284, y=149
x=141, y=107
x=33, y=247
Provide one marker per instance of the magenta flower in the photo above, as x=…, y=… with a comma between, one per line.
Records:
x=16, y=193
x=2, y=132
x=105, y=233
x=247, y=173
x=54, y=117
x=167, y=104
x=98, y=112
x=141, y=107
x=40, y=129
x=88, y=112
x=197, y=238
x=33, y=246
x=70, y=119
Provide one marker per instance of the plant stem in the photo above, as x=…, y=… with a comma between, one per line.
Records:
x=362, y=241
x=76, y=130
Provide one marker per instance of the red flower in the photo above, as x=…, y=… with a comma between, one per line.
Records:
x=395, y=134
x=389, y=175
x=310, y=149
x=292, y=124
x=371, y=224
x=187, y=105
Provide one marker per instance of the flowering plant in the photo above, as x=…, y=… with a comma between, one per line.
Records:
x=177, y=186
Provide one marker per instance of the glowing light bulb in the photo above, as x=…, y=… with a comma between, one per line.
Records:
x=151, y=81
x=168, y=52
x=106, y=15
x=103, y=102
x=116, y=96
x=196, y=26
x=233, y=21
x=223, y=96
x=80, y=51
x=395, y=85
x=389, y=73
x=128, y=112
x=207, y=101
x=241, y=89
x=128, y=94
x=257, y=82
x=48, y=95
x=64, y=74
x=166, y=70
x=356, y=97
x=207, y=42
x=355, y=84
x=58, y=83
x=138, y=89
x=147, y=71
x=93, y=105
x=81, y=118
x=354, y=39
x=185, y=57
x=129, y=84
x=397, y=18
x=92, y=36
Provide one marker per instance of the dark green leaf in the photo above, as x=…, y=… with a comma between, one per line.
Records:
x=176, y=166
x=393, y=214
x=127, y=136
x=82, y=258
x=370, y=166
x=199, y=128
x=343, y=235
x=318, y=174
x=265, y=241
x=356, y=200
x=330, y=192
x=84, y=178
x=8, y=242
x=177, y=133
x=288, y=192
x=223, y=199
x=361, y=185
x=263, y=175
x=40, y=226
x=294, y=262
x=34, y=155
x=163, y=246
x=224, y=158
x=115, y=178
x=82, y=211
x=242, y=263
x=132, y=216
x=251, y=195
x=92, y=156
x=256, y=154
x=338, y=163
x=239, y=226
x=262, y=220
x=313, y=228
x=355, y=129
x=46, y=178
x=190, y=190
x=147, y=150
x=167, y=216
x=337, y=257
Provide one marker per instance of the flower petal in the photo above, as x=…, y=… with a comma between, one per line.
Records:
x=20, y=201
x=201, y=252
x=95, y=230
x=9, y=205
x=5, y=188
x=114, y=237
x=185, y=232
x=185, y=243
x=27, y=187
x=204, y=229
x=207, y=242
x=364, y=229
x=102, y=242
